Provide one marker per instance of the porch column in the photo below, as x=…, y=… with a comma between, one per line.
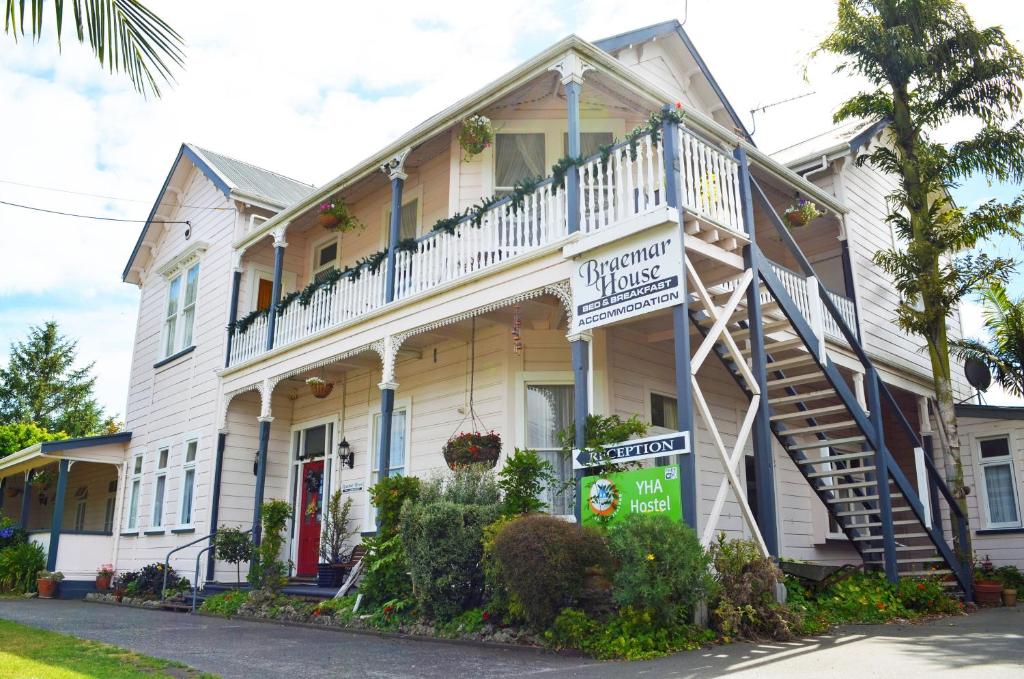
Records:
x=236, y=281
x=23, y=519
x=261, y=478
x=387, y=409
x=873, y=389
x=928, y=443
x=848, y=281
x=764, y=453
x=58, y=514
x=572, y=68
x=394, y=169
x=580, y=346
x=681, y=333
x=275, y=291
x=211, y=556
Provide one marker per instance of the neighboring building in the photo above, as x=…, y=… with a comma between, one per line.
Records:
x=476, y=324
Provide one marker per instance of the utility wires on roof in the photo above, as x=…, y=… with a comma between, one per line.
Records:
x=96, y=217
x=98, y=195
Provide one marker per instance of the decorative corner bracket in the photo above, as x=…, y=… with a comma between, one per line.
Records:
x=571, y=67
x=394, y=167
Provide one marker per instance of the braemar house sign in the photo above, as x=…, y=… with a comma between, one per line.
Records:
x=627, y=278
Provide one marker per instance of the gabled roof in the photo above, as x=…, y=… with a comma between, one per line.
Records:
x=642, y=35
x=235, y=179
x=838, y=141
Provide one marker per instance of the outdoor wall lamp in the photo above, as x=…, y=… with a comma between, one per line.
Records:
x=345, y=453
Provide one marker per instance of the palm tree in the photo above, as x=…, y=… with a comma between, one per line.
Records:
x=1003, y=353
x=123, y=34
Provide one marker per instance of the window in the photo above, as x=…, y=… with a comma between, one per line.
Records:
x=136, y=487
x=998, y=487
x=160, y=487
x=181, y=310
x=325, y=258
x=313, y=442
x=549, y=410
x=80, y=516
x=399, y=422
x=408, y=224
x=517, y=157
x=664, y=413
x=188, y=483
x=590, y=143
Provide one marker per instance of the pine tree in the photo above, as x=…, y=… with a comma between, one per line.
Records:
x=41, y=384
x=929, y=64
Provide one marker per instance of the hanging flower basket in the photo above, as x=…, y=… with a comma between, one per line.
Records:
x=801, y=213
x=336, y=216
x=476, y=134
x=472, y=448
x=319, y=388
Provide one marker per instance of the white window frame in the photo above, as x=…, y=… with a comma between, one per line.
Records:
x=401, y=404
x=79, y=521
x=110, y=507
x=133, y=489
x=655, y=429
x=980, y=468
x=187, y=466
x=314, y=255
x=408, y=196
x=524, y=380
x=159, y=513
x=171, y=345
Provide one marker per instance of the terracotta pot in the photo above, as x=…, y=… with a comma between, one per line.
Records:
x=1009, y=597
x=488, y=456
x=328, y=221
x=118, y=595
x=102, y=583
x=988, y=592
x=321, y=390
x=796, y=218
x=47, y=588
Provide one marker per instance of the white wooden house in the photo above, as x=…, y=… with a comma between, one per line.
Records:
x=778, y=351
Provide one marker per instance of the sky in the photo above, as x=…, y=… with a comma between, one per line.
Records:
x=308, y=94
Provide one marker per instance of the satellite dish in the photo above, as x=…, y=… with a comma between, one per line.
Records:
x=977, y=374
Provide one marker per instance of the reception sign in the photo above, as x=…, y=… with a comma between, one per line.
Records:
x=627, y=278
x=676, y=443
x=612, y=497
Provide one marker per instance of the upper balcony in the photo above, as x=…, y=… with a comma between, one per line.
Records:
x=332, y=281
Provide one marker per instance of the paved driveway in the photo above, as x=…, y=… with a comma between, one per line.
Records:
x=986, y=644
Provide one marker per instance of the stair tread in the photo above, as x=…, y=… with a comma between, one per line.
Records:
x=809, y=396
x=832, y=458
x=806, y=378
x=771, y=326
x=840, y=472
x=900, y=548
x=814, y=412
x=804, y=359
x=907, y=536
x=827, y=426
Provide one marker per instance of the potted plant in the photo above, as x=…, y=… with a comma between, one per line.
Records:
x=472, y=448
x=801, y=212
x=103, y=577
x=319, y=387
x=988, y=589
x=47, y=582
x=330, y=571
x=42, y=479
x=336, y=216
x=476, y=134
x=1012, y=580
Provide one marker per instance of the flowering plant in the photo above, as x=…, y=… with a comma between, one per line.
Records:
x=106, y=570
x=336, y=216
x=472, y=448
x=314, y=381
x=801, y=212
x=476, y=134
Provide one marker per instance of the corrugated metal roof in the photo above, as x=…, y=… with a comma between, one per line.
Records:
x=255, y=181
x=846, y=137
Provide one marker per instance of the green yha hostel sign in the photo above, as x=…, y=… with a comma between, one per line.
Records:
x=612, y=497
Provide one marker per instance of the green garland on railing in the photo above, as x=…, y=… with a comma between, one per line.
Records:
x=243, y=323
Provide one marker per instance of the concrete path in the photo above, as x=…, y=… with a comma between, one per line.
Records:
x=986, y=644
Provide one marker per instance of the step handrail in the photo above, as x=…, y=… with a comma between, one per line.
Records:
x=167, y=559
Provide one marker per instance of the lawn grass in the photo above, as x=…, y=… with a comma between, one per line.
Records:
x=31, y=653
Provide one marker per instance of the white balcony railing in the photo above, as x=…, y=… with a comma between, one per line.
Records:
x=809, y=303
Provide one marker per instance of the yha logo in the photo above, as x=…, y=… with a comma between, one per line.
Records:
x=604, y=498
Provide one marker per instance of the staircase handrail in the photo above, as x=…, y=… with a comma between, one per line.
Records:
x=167, y=559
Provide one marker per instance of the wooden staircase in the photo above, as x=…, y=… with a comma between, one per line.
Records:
x=837, y=443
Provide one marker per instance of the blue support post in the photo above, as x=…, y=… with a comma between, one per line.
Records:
x=581, y=407
x=236, y=281
x=681, y=331
x=23, y=519
x=275, y=292
x=873, y=397
x=572, y=177
x=58, y=514
x=261, y=480
x=764, y=453
x=394, y=232
x=218, y=466
x=387, y=409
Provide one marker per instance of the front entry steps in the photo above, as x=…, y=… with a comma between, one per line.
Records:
x=815, y=417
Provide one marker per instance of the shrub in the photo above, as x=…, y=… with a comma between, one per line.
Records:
x=388, y=496
x=19, y=565
x=442, y=535
x=267, y=571
x=336, y=532
x=499, y=602
x=385, y=573
x=148, y=582
x=1011, y=577
x=746, y=607
x=224, y=603
x=629, y=635
x=10, y=534
x=663, y=569
x=543, y=561
x=233, y=545
x=926, y=596
x=604, y=431
x=339, y=610
x=523, y=478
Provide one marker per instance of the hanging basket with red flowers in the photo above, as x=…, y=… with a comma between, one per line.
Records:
x=472, y=448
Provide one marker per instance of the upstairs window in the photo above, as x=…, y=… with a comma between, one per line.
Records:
x=998, y=485
x=179, y=318
x=325, y=258
x=517, y=157
x=590, y=143
x=408, y=224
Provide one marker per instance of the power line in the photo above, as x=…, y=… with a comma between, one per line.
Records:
x=98, y=195
x=102, y=219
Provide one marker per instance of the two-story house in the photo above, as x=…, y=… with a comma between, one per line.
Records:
x=649, y=274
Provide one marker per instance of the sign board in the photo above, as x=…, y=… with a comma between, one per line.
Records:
x=612, y=497
x=630, y=277
x=676, y=443
x=351, y=486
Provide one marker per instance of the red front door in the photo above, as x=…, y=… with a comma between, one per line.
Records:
x=311, y=492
